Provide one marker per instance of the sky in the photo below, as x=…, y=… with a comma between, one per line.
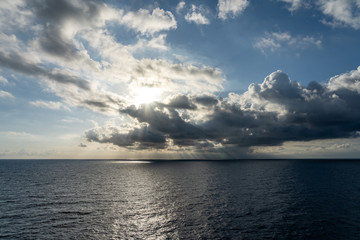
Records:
x=215, y=79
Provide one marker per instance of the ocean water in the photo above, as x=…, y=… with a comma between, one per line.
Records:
x=254, y=199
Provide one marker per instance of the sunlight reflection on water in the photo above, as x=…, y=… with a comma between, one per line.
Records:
x=179, y=200
x=129, y=161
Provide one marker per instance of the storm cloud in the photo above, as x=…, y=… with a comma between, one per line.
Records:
x=267, y=114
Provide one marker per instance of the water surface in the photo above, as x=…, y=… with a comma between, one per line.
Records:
x=254, y=199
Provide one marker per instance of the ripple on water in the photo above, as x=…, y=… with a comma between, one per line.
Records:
x=179, y=200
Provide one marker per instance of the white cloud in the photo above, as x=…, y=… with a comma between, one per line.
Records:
x=57, y=58
x=343, y=12
x=350, y=81
x=158, y=42
x=150, y=23
x=293, y=4
x=180, y=6
x=196, y=15
x=3, y=80
x=278, y=40
x=4, y=94
x=231, y=8
x=14, y=14
x=16, y=134
x=49, y=104
x=72, y=120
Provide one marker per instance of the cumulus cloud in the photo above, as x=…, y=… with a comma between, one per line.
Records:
x=69, y=32
x=4, y=94
x=342, y=12
x=267, y=114
x=270, y=113
x=280, y=40
x=231, y=8
x=181, y=102
x=150, y=23
x=348, y=81
x=196, y=15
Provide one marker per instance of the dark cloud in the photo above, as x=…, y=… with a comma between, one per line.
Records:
x=55, y=39
x=98, y=104
x=167, y=122
x=268, y=114
x=206, y=100
x=181, y=102
x=100, y=101
x=139, y=138
x=18, y=63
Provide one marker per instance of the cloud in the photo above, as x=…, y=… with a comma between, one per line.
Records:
x=231, y=8
x=267, y=114
x=180, y=102
x=3, y=81
x=82, y=145
x=196, y=16
x=275, y=111
x=348, y=81
x=18, y=134
x=62, y=20
x=177, y=77
x=4, y=94
x=15, y=61
x=49, y=105
x=279, y=40
x=138, y=138
x=294, y=4
x=180, y=6
x=72, y=52
x=342, y=12
x=149, y=23
x=14, y=14
x=206, y=100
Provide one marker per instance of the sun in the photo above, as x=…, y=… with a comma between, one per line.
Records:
x=145, y=95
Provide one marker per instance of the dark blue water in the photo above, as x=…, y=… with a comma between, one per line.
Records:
x=267, y=199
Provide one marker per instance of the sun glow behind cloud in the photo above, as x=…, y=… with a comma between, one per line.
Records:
x=145, y=95
x=117, y=63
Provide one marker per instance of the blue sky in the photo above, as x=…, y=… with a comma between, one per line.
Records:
x=179, y=79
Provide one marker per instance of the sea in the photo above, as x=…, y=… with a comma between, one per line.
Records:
x=242, y=199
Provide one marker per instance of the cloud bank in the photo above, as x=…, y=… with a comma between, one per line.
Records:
x=267, y=114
